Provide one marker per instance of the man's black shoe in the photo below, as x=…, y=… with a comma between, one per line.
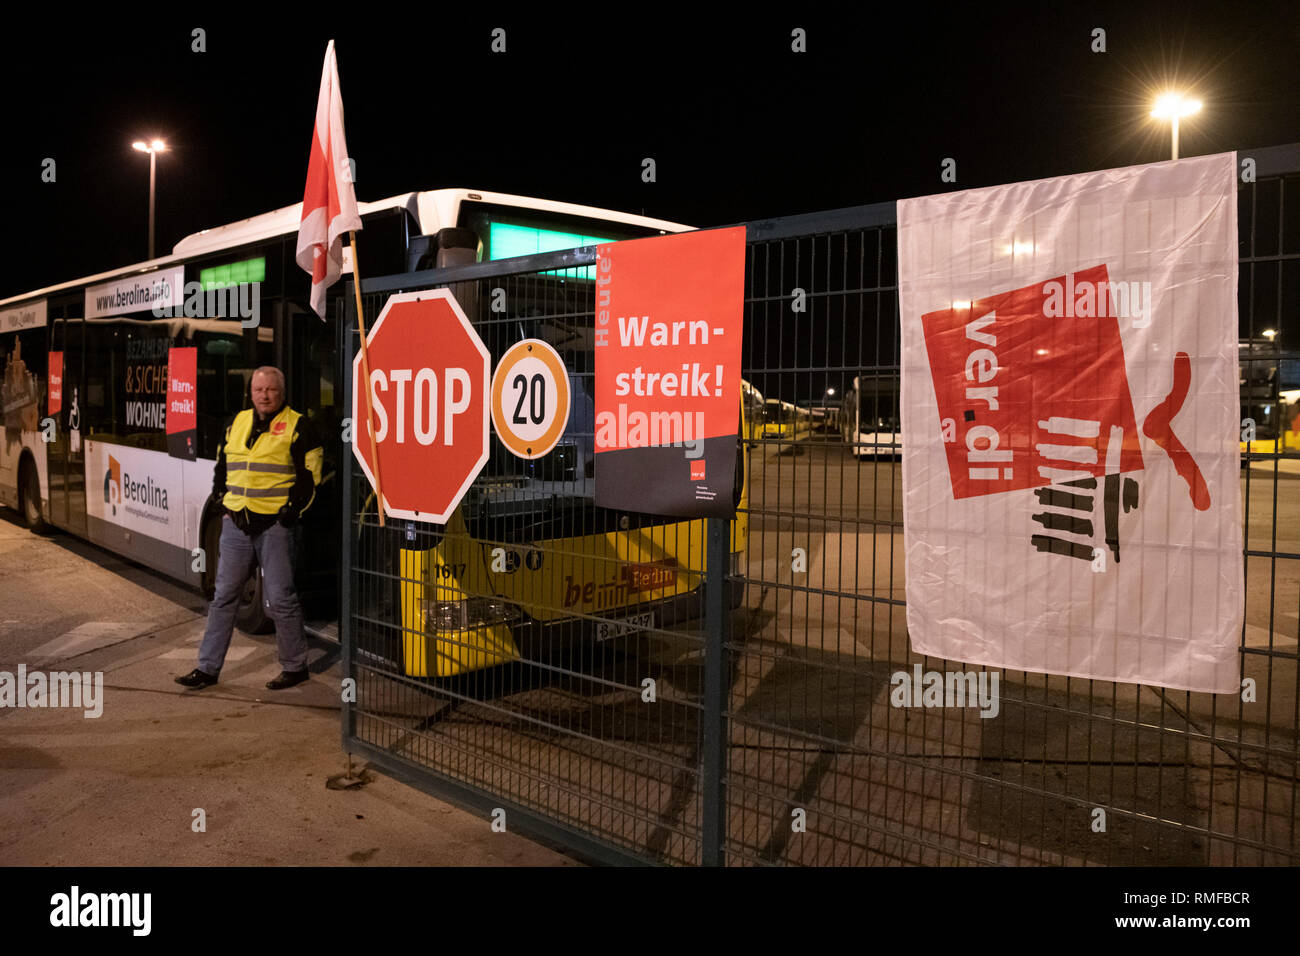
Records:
x=196, y=678
x=287, y=679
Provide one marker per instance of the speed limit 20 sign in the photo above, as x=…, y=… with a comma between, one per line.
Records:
x=530, y=398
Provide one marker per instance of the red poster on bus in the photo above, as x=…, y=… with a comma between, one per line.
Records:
x=55, y=395
x=669, y=313
x=182, y=402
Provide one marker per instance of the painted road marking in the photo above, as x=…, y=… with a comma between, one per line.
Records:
x=187, y=654
x=83, y=638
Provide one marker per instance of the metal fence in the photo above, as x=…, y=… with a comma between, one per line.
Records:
x=770, y=738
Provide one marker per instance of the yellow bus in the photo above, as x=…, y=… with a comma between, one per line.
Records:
x=1270, y=398
x=528, y=565
x=753, y=407
x=782, y=421
x=517, y=572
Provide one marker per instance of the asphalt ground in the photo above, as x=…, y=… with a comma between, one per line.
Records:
x=229, y=775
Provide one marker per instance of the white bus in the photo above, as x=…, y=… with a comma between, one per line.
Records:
x=85, y=364
x=869, y=415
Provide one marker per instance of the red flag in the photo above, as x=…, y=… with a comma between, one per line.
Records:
x=329, y=203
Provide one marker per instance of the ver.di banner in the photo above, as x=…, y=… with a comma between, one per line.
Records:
x=1071, y=422
x=669, y=314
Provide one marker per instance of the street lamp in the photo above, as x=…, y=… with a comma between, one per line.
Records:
x=1174, y=106
x=153, y=148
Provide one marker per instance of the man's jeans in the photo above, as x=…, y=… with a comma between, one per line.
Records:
x=271, y=549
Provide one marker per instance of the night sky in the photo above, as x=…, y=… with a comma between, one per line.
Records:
x=740, y=127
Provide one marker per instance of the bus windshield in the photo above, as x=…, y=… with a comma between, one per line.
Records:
x=774, y=412
x=878, y=402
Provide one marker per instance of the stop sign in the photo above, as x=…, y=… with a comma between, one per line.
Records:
x=429, y=375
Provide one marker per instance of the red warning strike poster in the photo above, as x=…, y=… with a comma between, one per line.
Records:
x=669, y=313
x=182, y=402
x=56, y=384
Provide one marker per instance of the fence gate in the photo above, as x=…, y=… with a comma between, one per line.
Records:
x=751, y=723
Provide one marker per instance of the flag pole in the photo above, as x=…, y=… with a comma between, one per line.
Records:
x=365, y=371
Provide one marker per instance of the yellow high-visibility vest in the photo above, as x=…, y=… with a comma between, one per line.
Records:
x=260, y=478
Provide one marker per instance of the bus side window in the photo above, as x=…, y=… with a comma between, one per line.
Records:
x=102, y=403
x=144, y=384
x=224, y=374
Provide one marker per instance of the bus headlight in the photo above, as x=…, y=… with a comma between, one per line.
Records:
x=467, y=614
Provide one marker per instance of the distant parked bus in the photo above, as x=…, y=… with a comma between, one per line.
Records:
x=1270, y=398
x=869, y=415
x=783, y=420
x=752, y=400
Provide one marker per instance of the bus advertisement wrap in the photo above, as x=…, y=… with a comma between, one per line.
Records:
x=21, y=384
x=668, y=330
x=140, y=491
x=33, y=315
x=163, y=289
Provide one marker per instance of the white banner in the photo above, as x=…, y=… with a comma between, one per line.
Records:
x=30, y=315
x=1071, y=419
x=161, y=289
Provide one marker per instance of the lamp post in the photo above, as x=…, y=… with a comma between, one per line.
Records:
x=153, y=148
x=1174, y=106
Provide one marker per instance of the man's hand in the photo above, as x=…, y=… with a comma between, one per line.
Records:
x=287, y=517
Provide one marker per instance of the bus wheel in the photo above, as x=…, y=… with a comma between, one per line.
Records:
x=31, y=503
x=251, y=616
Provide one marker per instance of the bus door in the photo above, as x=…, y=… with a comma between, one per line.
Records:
x=66, y=454
x=306, y=353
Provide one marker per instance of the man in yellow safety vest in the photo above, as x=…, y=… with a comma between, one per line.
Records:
x=266, y=477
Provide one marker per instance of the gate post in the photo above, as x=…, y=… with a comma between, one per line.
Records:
x=714, y=749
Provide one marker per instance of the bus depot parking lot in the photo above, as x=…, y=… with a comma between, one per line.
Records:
x=125, y=787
